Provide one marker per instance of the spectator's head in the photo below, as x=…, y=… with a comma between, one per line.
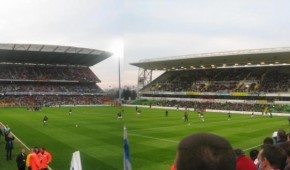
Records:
x=239, y=153
x=36, y=149
x=42, y=149
x=31, y=150
x=268, y=141
x=281, y=135
x=271, y=157
x=23, y=150
x=286, y=147
x=254, y=154
x=205, y=151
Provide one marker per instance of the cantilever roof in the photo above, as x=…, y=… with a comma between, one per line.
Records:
x=51, y=54
x=256, y=57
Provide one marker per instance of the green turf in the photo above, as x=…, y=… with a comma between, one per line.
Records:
x=153, y=138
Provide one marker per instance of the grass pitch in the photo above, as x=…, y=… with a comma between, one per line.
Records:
x=98, y=136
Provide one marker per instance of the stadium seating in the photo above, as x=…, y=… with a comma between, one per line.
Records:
x=263, y=79
x=243, y=88
x=47, y=73
x=30, y=85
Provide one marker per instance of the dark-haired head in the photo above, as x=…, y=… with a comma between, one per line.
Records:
x=205, y=151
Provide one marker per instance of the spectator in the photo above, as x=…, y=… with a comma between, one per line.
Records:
x=21, y=160
x=9, y=146
x=286, y=147
x=243, y=162
x=281, y=137
x=254, y=156
x=268, y=141
x=205, y=151
x=7, y=130
x=271, y=157
x=274, y=136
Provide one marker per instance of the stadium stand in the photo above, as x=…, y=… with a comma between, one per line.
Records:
x=224, y=80
x=46, y=75
x=239, y=80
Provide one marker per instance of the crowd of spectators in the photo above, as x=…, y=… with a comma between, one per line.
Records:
x=46, y=100
x=47, y=73
x=257, y=79
x=46, y=85
x=196, y=152
x=224, y=106
x=30, y=87
x=273, y=154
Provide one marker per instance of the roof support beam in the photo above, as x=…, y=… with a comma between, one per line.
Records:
x=28, y=47
x=55, y=49
x=41, y=47
x=144, y=78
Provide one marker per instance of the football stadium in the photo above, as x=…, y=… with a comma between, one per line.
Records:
x=245, y=81
x=242, y=96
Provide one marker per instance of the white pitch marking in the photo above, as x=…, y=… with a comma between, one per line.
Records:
x=20, y=141
x=149, y=137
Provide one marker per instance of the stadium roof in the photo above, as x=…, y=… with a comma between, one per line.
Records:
x=243, y=58
x=50, y=54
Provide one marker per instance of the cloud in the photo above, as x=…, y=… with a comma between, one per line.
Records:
x=151, y=28
x=62, y=22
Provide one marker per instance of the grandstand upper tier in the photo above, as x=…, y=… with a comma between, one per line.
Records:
x=50, y=54
x=242, y=58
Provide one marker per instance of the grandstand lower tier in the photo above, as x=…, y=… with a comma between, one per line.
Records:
x=233, y=105
x=52, y=100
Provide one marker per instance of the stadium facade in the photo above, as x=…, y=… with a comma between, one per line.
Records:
x=36, y=75
x=247, y=80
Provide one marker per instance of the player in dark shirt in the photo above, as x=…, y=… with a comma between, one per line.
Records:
x=229, y=116
x=45, y=119
x=185, y=117
x=119, y=115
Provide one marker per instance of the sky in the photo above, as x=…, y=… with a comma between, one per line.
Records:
x=143, y=29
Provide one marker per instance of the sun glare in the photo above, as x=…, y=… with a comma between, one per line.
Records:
x=117, y=48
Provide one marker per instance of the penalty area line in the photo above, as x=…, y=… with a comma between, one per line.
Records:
x=148, y=129
x=173, y=141
x=252, y=147
x=149, y=137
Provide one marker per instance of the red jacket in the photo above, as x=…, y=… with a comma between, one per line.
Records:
x=46, y=159
x=34, y=161
x=245, y=163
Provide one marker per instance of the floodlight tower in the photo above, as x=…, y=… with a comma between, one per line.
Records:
x=119, y=70
x=118, y=51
